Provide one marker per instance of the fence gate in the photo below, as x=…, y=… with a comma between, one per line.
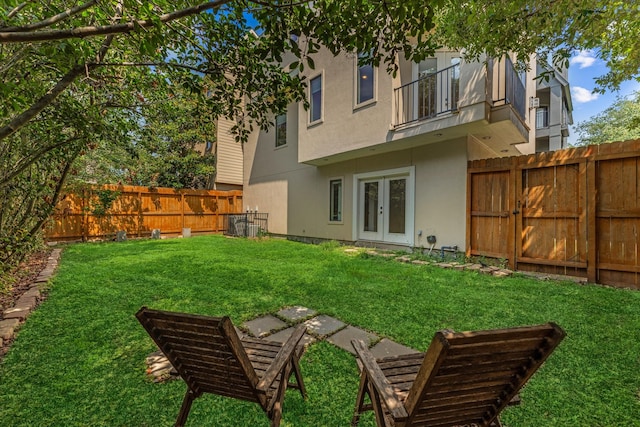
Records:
x=574, y=212
x=550, y=218
x=490, y=220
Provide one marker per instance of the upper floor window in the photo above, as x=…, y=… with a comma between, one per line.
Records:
x=542, y=117
x=365, y=82
x=315, y=101
x=281, y=130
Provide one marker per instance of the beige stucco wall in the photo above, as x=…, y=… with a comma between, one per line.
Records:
x=343, y=126
x=296, y=196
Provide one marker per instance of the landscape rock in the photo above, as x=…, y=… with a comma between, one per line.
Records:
x=7, y=328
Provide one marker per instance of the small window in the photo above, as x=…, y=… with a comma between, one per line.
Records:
x=335, y=200
x=208, y=147
x=542, y=117
x=315, y=91
x=281, y=130
x=365, y=82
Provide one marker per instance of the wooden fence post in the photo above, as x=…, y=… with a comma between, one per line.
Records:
x=592, y=241
x=85, y=224
x=139, y=213
x=182, y=209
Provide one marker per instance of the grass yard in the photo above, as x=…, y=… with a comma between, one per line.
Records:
x=79, y=359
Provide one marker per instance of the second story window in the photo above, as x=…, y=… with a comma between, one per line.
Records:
x=281, y=130
x=542, y=117
x=315, y=101
x=365, y=82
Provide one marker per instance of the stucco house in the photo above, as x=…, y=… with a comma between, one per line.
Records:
x=381, y=160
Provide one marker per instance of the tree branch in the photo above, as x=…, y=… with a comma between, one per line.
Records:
x=56, y=194
x=24, y=163
x=17, y=9
x=155, y=64
x=90, y=31
x=23, y=118
x=52, y=20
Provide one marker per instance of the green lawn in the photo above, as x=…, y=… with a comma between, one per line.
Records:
x=79, y=359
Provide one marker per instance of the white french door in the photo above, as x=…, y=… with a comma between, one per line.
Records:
x=385, y=206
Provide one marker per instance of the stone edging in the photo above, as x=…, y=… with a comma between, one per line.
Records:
x=13, y=317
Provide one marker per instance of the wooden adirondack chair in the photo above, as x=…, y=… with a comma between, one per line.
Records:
x=208, y=354
x=464, y=379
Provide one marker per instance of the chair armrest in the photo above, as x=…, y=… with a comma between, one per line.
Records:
x=283, y=357
x=376, y=378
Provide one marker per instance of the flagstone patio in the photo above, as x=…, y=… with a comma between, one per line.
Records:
x=280, y=326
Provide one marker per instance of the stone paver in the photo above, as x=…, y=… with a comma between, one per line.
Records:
x=387, y=347
x=343, y=338
x=7, y=327
x=26, y=301
x=159, y=367
x=323, y=325
x=17, y=312
x=296, y=313
x=264, y=325
x=32, y=292
x=284, y=335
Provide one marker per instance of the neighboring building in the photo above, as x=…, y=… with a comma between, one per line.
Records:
x=554, y=112
x=383, y=160
x=228, y=157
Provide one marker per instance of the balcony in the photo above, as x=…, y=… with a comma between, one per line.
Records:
x=482, y=101
x=430, y=96
x=443, y=92
x=507, y=86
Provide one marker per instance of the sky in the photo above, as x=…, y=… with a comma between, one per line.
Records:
x=583, y=70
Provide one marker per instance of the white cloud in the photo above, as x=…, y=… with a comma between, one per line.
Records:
x=582, y=95
x=584, y=59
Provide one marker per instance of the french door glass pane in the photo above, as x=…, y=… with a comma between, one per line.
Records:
x=371, y=206
x=427, y=91
x=397, y=204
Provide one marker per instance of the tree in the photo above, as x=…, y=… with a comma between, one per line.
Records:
x=165, y=146
x=619, y=122
x=554, y=29
x=75, y=73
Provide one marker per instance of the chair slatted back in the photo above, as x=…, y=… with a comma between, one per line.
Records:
x=206, y=352
x=468, y=378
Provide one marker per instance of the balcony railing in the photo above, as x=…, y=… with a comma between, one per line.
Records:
x=429, y=96
x=508, y=87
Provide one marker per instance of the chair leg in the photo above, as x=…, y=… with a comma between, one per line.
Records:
x=360, y=400
x=299, y=383
x=274, y=411
x=377, y=406
x=186, y=407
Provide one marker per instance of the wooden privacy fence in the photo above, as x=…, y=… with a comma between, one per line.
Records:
x=573, y=212
x=138, y=210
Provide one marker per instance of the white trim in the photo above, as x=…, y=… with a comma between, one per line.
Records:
x=410, y=172
x=342, y=180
